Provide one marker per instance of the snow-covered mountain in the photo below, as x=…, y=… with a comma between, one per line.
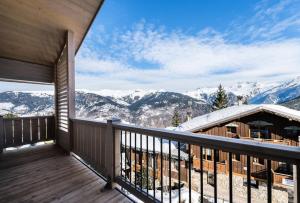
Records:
x=150, y=108
x=154, y=109
x=280, y=93
x=245, y=89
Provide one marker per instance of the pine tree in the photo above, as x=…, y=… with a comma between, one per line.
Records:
x=175, y=119
x=221, y=100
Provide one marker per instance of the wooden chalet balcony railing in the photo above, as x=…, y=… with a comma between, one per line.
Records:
x=26, y=130
x=128, y=155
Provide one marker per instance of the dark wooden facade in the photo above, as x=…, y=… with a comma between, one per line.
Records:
x=273, y=129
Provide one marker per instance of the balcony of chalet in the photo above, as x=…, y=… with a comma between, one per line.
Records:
x=90, y=161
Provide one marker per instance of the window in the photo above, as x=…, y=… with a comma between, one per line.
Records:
x=258, y=160
x=231, y=129
x=207, y=154
x=262, y=133
x=292, y=131
x=284, y=167
x=236, y=157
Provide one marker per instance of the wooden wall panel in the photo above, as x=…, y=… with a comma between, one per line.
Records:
x=88, y=143
x=12, y=70
x=65, y=92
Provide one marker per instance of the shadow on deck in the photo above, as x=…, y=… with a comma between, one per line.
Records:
x=45, y=174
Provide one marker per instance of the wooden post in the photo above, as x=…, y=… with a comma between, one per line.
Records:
x=112, y=152
x=65, y=93
x=296, y=175
x=1, y=134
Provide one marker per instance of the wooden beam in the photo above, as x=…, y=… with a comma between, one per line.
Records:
x=65, y=88
x=71, y=73
x=1, y=134
x=19, y=71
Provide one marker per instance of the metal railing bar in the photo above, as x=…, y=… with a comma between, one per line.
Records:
x=269, y=174
x=230, y=178
x=154, y=168
x=161, y=171
x=130, y=174
x=201, y=172
x=179, y=175
x=147, y=164
x=215, y=177
x=170, y=173
x=190, y=174
x=135, y=154
x=274, y=152
x=248, y=180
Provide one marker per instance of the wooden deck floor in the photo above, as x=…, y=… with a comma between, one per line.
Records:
x=45, y=174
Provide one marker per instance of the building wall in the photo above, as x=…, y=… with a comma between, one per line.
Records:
x=278, y=135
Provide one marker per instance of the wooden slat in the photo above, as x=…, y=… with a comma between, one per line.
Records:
x=34, y=130
x=8, y=133
x=89, y=144
x=43, y=132
x=50, y=128
x=17, y=132
x=26, y=131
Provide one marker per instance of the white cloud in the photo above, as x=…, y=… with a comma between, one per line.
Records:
x=183, y=61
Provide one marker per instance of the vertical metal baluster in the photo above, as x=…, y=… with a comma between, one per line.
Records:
x=179, y=178
x=147, y=164
x=121, y=149
x=190, y=174
x=125, y=170
x=170, y=186
x=161, y=167
x=154, y=167
x=248, y=179
x=135, y=152
x=269, y=168
x=230, y=177
x=201, y=173
x=130, y=157
x=141, y=162
x=215, y=177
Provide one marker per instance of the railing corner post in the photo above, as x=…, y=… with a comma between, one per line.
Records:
x=112, y=152
x=296, y=175
x=1, y=134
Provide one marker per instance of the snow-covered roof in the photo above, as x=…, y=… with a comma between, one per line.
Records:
x=157, y=141
x=235, y=112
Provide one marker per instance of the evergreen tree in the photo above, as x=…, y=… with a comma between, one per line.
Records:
x=175, y=119
x=10, y=115
x=221, y=100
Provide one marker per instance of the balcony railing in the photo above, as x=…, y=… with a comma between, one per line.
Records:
x=129, y=155
x=26, y=130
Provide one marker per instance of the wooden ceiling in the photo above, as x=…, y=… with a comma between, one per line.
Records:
x=34, y=30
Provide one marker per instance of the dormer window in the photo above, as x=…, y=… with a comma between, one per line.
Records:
x=231, y=128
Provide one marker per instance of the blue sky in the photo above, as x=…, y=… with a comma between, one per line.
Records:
x=183, y=45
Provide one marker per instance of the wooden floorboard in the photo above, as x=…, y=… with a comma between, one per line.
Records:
x=45, y=174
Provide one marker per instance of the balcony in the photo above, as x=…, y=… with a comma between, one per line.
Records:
x=112, y=162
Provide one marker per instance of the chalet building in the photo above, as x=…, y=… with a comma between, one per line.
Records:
x=258, y=123
x=135, y=157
